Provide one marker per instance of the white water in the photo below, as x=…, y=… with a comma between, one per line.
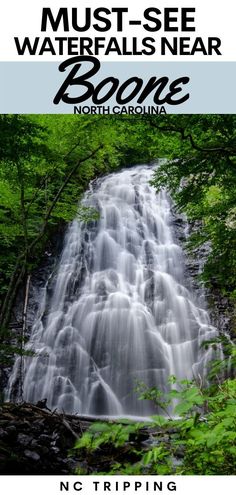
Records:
x=119, y=311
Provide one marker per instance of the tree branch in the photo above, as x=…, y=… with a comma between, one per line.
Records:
x=59, y=193
x=20, y=266
x=189, y=137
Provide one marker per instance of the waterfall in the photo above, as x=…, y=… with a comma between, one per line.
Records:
x=119, y=310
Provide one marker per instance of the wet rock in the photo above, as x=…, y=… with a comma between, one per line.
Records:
x=45, y=439
x=11, y=430
x=46, y=448
x=25, y=425
x=220, y=308
x=4, y=422
x=35, y=444
x=32, y=455
x=55, y=450
x=179, y=452
x=3, y=434
x=24, y=439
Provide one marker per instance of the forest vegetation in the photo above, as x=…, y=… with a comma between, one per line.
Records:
x=46, y=163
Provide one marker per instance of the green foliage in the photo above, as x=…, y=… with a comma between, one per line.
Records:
x=40, y=152
x=200, y=174
x=196, y=434
x=100, y=434
x=46, y=163
x=226, y=367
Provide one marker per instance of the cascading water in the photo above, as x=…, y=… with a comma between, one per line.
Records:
x=119, y=310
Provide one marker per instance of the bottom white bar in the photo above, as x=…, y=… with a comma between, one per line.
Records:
x=117, y=485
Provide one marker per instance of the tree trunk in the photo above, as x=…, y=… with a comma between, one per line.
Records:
x=16, y=281
x=24, y=327
x=21, y=263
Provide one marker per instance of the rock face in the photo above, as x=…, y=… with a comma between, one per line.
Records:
x=38, y=280
x=37, y=441
x=220, y=308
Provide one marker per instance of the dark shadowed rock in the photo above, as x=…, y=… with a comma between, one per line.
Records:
x=31, y=455
x=24, y=439
x=46, y=445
